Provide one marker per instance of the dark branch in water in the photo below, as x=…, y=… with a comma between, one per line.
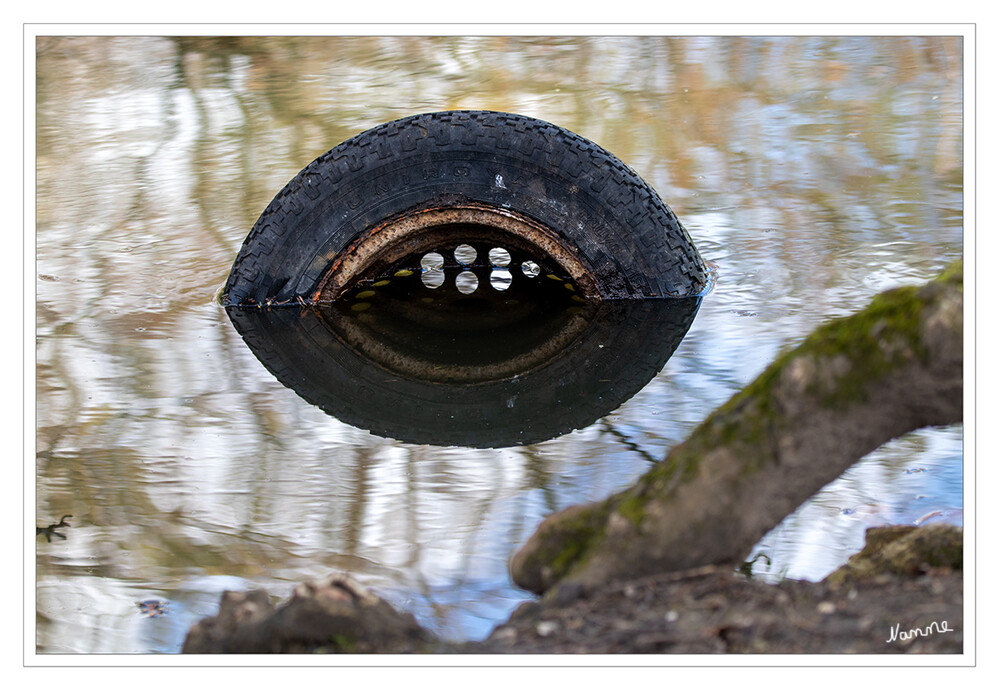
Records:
x=631, y=445
x=50, y=531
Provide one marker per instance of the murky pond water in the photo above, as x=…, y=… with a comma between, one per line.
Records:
x=811, y=172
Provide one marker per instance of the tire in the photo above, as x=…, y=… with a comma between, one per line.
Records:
x=616, y=350
x=573, y=204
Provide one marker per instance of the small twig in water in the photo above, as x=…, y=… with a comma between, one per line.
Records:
x=50, y=531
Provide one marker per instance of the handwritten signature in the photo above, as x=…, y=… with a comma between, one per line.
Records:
x=896, y=632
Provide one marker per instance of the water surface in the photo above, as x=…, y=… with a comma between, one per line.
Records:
x=811, y=172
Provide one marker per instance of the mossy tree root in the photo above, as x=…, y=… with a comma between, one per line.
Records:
x=852, y=385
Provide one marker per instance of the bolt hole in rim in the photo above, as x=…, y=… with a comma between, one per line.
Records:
x=500, y=279
x=432, y=261
x=433, y=278
x=466, y=282
x=499, y=257
x=465, y=254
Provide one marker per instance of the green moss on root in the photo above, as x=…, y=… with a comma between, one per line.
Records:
x=343, y=644
x=576, y=535
x=875, y=341
x=953, y=275
x=633, y=507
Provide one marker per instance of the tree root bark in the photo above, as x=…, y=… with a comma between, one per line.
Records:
x=852, y=385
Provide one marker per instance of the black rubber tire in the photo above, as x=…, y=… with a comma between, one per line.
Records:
x=614, y=222
x=624, y=345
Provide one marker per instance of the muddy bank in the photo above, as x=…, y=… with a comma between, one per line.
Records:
x=715, y=612
x=902, y=594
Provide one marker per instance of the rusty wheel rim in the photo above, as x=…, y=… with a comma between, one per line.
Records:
x=425, y=229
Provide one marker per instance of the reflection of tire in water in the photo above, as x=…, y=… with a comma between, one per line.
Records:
x=401, y=191
x=492, y=378
x=472, y=278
